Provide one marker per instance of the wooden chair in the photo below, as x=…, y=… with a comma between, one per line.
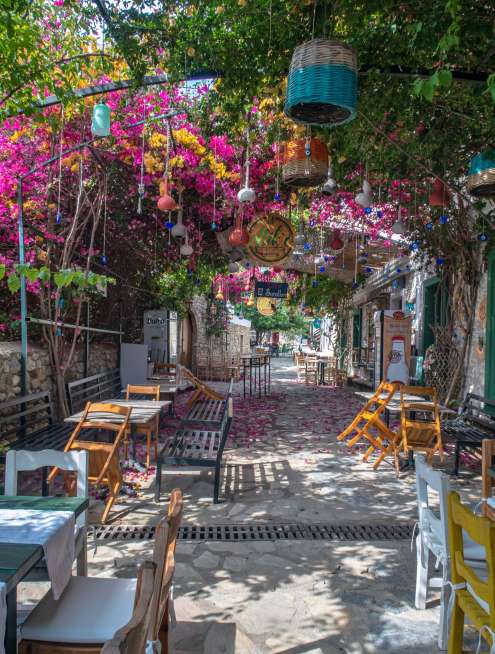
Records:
x=93, y=610
x=201, y=390
x=474, y=587
x=420, y=435
x=311, y=370
x=146, y=428
x=330, y=371
x=369, y=419
x=131, y=639
x=488, y=477
x=104, y=463
x=73, y=462
x=300, y=365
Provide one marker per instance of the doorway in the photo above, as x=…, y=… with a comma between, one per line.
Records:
x=435, y=310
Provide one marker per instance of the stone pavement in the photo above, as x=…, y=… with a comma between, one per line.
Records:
x=296, y=596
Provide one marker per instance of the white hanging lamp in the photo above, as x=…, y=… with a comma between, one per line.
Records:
x=179, y=230
x=246, y=194
x=365, y=197
x=330, y=185
x=185, y=249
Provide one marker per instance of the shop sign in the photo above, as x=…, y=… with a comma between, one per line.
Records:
x=277, y=290
x=396, y=347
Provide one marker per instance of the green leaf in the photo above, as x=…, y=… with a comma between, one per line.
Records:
x=14, y=283
x=444, y=77
x=2, y=270
x=31, y=274
x=428, y=89
x=44, y=274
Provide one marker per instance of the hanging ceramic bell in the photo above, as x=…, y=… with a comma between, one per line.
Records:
x=330, y=186
x=186, y=249
x=238, y=236
x=246, y=194
x=179, y=230
x=166, y=202
x=233, y=267
x=440, y=196
x=100, y=123
x=219, y=295
x=336, y=243
x=365, y=198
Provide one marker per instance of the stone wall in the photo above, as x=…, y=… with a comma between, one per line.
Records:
x=235, y=341
x=103, y=356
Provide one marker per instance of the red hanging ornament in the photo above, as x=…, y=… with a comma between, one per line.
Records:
x=166, y=202
x=336, y=243
x=238, y=236
x=440, y=196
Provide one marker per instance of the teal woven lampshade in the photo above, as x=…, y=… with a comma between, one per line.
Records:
x=481, y=176
x=100, y=124
x=322, y=83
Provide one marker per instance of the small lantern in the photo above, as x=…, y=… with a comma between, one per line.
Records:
x=238, y=236
x=305, y=162
x=100, y=124
x=481, y=177
x=440, y=195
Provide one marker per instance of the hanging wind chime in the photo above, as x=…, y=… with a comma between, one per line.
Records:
x=141, y=180
x=100, y=123
x=246, y=194
x=166, y=201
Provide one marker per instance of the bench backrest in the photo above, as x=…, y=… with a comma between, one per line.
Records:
x=474, y=410
x=23, y=415
x=228, y=416
x=96, y=388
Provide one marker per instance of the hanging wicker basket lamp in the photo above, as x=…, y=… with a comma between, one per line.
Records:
x=322, y=83
x=305, y=162
x=481, y=176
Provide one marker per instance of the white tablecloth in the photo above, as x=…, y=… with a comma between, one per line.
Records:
x=54, y=530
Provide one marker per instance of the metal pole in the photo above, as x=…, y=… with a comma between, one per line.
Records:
x=86, y=341
x=24, y=334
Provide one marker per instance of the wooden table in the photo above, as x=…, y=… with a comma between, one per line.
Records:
x=143, y=411
x=256, y=362
x=18, y=559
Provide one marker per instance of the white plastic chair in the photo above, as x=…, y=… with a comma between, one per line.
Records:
x=433, y=536
x=74, y=461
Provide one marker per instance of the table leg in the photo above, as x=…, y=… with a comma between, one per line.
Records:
x=82, y=557
x=133, y=438
x=264, y=373
x=259, y=379
x=11, y=623
x=244, y=376
x=250, y=377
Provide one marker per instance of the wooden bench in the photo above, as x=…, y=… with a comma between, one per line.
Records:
x=202, y=448
x=28, y=423
x=472, y=425
x=103, y=386
x=207, y=412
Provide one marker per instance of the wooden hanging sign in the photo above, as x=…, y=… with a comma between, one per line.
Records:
x=271, y=240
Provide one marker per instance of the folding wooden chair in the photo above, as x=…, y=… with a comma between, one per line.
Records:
x=300, y=365
x=104, y=463
x=423, y=434
x=474, y=587
x=146, y=428
x=201, y=390
x=370, y=418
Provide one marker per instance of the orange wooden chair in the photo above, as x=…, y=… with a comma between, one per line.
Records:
x=104, y=462
x=145, y=428
x=368, y=425
x=420, y=434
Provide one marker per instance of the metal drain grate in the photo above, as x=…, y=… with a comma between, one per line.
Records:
x=264, y=532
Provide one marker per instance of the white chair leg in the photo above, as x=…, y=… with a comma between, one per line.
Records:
x=443, y=631
x=421, y=573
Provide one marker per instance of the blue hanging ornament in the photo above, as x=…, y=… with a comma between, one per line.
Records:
x=277, y=197
x=61, y=302
x=314, y=283
x=326, y=258
x=58, y=219
x=322, y=269
x=355, y=285
x=368, y=210
x=214, y=226
x=398, y=270
x=100, y=125
x=368, y=270
x=379, y=214
x=58, y=332
x=169, y=224
x=414, y=246
x=440, y=261
x=312, y=222
x=307, y=246
x=482, y=237
x=443, y=219
x=429, y=226
x=104, y=259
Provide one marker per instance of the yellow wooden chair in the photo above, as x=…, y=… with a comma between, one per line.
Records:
x=488, y=477
x=474, y=588
x=146, y=428
x=201, y=390
x=368, y=425
x=420, y=434
x=311, y=370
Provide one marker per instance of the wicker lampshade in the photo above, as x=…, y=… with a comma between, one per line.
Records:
x=322, y=83
x=481, y=176
x=305, y=162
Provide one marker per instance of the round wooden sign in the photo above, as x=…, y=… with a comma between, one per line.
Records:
x=271, y=240
x=265, y=306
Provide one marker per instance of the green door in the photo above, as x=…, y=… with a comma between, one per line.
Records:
x=490, y=330
x=435, y=310
x=357, y=326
